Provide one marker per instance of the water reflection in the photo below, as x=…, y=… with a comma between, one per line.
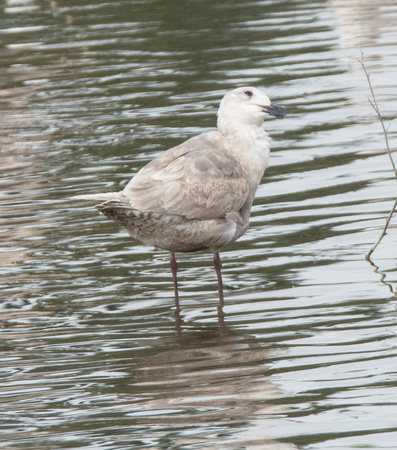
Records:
x=209, y=379
x=362, y=22
x=201, y=367
x=162, y=386
x=206, y=379
x=19, y=141
x=383, y=278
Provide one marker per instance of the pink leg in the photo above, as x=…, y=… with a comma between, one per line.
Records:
x=218, y=266
x=174, y=270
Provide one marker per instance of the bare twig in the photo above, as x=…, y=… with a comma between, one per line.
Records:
x=384, y=230
x=374, y=105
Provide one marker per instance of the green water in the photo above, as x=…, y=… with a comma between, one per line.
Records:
x=91, y=356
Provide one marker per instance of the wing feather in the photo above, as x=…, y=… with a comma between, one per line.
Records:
x=198, y=179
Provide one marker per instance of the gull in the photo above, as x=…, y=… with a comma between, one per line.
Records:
x=198, y=195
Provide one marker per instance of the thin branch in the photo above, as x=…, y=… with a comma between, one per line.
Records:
x=374, y=105
x=384, y=231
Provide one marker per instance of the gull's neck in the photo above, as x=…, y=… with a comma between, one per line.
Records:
x=250, y=145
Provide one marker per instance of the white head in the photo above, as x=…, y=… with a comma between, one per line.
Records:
x=246, y=106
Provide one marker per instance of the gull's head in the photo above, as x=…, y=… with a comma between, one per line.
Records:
x=246, y=106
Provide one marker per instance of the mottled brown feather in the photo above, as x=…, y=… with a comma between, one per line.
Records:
x=195, y=179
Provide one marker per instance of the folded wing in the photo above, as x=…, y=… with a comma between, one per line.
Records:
x=198, y=179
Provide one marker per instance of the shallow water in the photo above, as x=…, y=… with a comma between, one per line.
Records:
x=91, y=354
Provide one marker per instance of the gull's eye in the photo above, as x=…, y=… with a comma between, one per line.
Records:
x=248, y=93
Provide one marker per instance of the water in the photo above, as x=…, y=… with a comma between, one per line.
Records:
x=91, y=356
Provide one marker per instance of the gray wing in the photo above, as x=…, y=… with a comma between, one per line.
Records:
x=197, y=179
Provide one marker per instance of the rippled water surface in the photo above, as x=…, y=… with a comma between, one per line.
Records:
x=91, y=356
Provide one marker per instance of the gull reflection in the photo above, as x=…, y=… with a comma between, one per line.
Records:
x=207, y=379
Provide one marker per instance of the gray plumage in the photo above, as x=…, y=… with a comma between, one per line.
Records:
x=198, y=195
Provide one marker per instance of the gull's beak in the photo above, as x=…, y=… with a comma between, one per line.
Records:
x=274, y=110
